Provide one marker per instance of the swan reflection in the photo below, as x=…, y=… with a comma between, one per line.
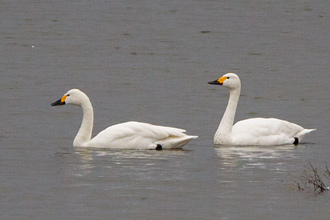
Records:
x=121, y=159
x=245, y=157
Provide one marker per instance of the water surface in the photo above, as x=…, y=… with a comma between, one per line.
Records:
x=150, y=61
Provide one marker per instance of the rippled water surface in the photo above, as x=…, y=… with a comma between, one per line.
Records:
x=150, y=61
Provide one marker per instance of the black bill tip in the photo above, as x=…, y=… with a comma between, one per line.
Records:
x=215, y=82
x=58, y=102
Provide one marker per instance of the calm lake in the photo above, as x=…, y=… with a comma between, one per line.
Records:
x=150, y=61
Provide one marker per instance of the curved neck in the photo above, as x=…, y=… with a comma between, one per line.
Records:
x=85, y=131
x=227, y=120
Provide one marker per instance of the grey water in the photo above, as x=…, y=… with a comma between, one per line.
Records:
x=150, y=61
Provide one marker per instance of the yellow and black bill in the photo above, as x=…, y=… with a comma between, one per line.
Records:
x=61, y=101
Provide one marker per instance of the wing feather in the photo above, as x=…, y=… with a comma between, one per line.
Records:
x=265, y=131
x=134, y=135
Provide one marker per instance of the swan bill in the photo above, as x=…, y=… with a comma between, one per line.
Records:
x=61, y=101
x=58, y=102
x=219, y=81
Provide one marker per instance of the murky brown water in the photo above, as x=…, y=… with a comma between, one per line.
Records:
x=150, y=61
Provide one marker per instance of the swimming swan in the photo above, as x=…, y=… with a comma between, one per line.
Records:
x=253, y=131
x=129, y=135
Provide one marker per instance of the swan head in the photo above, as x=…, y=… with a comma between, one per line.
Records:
x=229, y=80
x=73, y=97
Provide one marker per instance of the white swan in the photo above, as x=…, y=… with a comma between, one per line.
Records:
x=129, y=135
x=253, y=131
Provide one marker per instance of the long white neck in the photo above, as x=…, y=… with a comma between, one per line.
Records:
x=225, y=128
x=85, y=131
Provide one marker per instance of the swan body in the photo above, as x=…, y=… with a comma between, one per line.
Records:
x=129, y=135
x=253, y=131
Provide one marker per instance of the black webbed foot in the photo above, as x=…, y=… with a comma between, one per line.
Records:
x=159, y=147
x=296, y=141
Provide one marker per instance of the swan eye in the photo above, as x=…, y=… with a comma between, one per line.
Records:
x=228, y=77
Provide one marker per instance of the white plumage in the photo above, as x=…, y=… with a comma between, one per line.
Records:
x=254, y=131
x=129, y=135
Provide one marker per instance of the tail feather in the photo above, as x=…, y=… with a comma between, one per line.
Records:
x=302, y=133
x=176, y=142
